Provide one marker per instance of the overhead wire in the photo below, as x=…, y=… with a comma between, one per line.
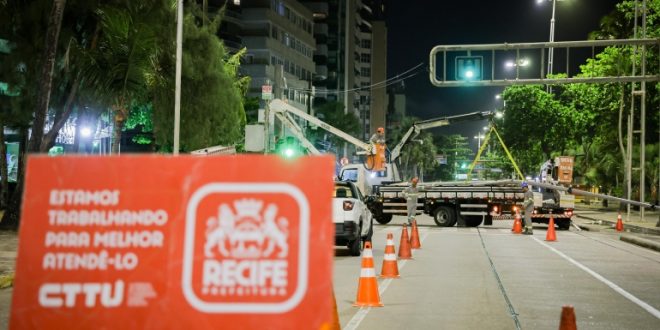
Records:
x=381, y=84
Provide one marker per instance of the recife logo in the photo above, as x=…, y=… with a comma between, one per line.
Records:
x=246, y=248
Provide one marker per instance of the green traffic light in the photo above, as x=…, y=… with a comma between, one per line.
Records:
x=288, y=152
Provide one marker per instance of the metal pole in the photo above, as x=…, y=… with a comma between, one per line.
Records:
x=177, y=88
x=642, y=125
x=552, y=37
x=347, y=56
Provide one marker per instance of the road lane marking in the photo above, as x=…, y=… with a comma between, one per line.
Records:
x=362, y=313
x=607, y=282
x=512, y=310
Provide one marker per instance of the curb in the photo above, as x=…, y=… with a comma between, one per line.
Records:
x=589, y=227
x=641, y=242
x=627, y=227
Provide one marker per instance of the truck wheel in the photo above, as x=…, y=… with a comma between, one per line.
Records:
x=444, y=217
x=355, y=246
x=564, y=224
x=473, y=221
x=384, y=218
x=367, y=238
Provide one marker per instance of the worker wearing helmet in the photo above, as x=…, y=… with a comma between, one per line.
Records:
x=411, y=193
x=378, y=137
x=528, y=205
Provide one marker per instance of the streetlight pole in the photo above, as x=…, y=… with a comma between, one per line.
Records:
x=177, y=82
x=552, y=36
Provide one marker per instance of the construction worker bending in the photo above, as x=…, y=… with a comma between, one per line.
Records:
x=411, y=193
x=528, y=204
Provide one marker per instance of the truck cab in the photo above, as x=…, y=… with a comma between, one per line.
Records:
x=364, y=179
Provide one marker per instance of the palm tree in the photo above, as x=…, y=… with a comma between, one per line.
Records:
x=122, y=65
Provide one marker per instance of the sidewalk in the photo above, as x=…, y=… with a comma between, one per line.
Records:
x=642, y=233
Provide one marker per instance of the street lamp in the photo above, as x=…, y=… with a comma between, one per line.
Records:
x=499, y=97
x=552, y=32
x=85, y=132
x=523, y=62
x=479, y=137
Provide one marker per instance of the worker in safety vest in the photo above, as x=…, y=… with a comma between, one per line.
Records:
x=528, y=205
x=411, y=193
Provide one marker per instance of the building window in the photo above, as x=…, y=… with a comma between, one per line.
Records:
x=273, y=60
x=237, y=2
x=281, y=8
x=274, y=33
x=365, y=72
x=366, y=43
x=287, y=39
x=365, y=58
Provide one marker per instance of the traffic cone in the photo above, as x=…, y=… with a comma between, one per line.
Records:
x=567, y=321
x=517, y=224
x=619, y=223
x=550, y=235
x=390, y=267
x=404, y=246
x=367, y=294
x=334, y=322
x=414, y=237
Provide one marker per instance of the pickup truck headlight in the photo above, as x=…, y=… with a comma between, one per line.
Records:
x=348, y=205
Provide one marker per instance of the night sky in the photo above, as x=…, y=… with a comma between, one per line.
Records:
x=414, y=27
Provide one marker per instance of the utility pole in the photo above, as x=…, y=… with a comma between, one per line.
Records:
x=177, y=82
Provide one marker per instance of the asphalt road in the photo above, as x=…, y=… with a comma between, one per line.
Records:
x=489, y=278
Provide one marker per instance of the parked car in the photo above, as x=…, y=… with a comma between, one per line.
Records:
x=353, y=220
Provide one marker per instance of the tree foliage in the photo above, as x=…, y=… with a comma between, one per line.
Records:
x=211, y=95
x=417, y=156
x=588, y=121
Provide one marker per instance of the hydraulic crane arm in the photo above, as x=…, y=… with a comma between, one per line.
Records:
x=280, y=107
x=432, y=123
x=297, y=131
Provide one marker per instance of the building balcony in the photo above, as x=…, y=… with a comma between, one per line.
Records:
x=321, y=72
x=321, y=29
x=321, y=50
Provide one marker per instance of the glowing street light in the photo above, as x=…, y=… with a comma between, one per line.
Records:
x=86, y=132
x=523, y=62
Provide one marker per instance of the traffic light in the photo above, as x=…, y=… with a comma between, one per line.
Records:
x=469, y=68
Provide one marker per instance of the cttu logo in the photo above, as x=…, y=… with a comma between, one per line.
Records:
x=246, y=248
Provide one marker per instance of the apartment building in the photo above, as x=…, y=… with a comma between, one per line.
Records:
x=279, y=38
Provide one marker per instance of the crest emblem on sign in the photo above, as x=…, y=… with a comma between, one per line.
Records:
x=246, y=247
x=248, y=230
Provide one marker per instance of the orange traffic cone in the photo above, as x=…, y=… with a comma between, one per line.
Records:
x=367, y=294
x=404, y=246
x=567, y=319
x=334, y=323
x=619, y=223
x=414, y=236
x=390, y=267
x=517, y=224
x=550, y=235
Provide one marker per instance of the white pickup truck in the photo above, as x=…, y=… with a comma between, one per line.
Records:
x=353, y=220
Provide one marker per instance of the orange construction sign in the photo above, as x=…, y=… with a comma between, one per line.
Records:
x=565, y=169
x=159, y=242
